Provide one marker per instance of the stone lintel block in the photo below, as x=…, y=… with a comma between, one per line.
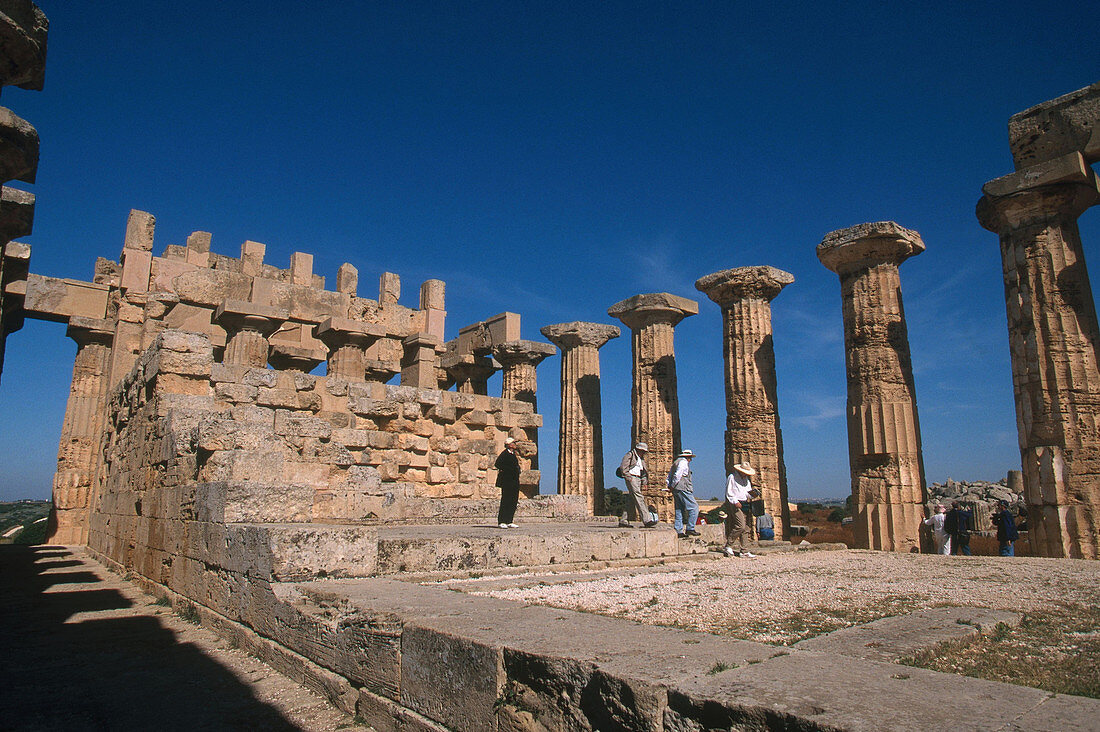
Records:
x=480, y=338
x=1070, y=168
x=239, y=313
x=199, y=241
x=49, y=298
x=654, y=307
x=731, y=285
x=301, y=269
x=578, y=333
x=1054, y=128
x=432, y=295
x=140, y=227
x=18, y=147
x=347, y=279
x=336, y=332
x=137, y=265
x=866, y=245
x=389, y=288
x=16, y=213
x=252, y=258
x=23, y=32
x=517, y=352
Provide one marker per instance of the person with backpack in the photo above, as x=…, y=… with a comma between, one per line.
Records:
x=687, y=508
x=632, y=470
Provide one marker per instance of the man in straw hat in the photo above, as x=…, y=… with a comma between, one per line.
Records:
x=632, y=470
x=687, y=508
x=739, y=491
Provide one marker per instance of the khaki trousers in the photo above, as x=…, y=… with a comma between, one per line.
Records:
x=736, y=526
x=635, y=502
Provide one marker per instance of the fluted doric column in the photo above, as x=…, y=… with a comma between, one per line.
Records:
x=518, y=361
x=1053, y=337
x=752, y=414
x=884, y=446
x=655, y=406
x=79, y=452
x=347, y=342
x=247, y=327
x=580, y=426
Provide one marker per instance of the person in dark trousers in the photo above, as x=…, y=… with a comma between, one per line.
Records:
x=1006, y=530
x=507, y=466
x=958, y=525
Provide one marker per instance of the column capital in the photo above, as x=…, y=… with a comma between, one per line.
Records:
x=239, y=315
x=338, y=332
x=90, y=330
x=575, y=334
x=652, y=308
x=1002, y=214
x=511, y=353
x=866, y=245
x=285, y=357
x=740, y=283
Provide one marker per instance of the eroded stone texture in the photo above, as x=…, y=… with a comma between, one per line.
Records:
x=347, y=342
x=654, y=403
x=23, y=34
x=883, y=430
x=1053, y=337
x=78, y=455
x=247, y=328
x=1068, y=124
x=752, y=414
x=580, y=431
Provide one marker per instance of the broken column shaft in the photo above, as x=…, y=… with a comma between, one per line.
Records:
x=655, y=406
x=884, y=445
x=580, y=430
x=519, y=380
x=1053, y=337
x=752, y=414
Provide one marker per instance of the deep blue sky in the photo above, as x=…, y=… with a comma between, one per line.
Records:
x=554, y=158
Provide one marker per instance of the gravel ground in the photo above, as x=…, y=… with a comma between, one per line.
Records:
x=785, y=597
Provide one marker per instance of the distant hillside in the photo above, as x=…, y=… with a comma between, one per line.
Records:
x=21, y=513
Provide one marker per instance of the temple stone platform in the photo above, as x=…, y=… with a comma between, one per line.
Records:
x=307, y=551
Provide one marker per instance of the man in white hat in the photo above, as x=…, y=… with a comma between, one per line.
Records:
x=739, y=491
x=632, y=470
x=683, y=497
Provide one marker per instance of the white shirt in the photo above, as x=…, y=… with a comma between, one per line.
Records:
x=639, y=466
x=680, y=468
x=737, y=487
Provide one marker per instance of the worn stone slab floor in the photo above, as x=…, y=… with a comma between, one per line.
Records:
x=86, y=650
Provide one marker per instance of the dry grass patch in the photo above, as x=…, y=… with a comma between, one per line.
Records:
x=1056, y=649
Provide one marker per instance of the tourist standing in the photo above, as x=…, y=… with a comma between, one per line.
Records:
x=958, y=526
x=1006, y=530
x=632, y=470
x=507, y=466
x=765, y=526
x=739, y=491
x=683, y=497
x=939, y=534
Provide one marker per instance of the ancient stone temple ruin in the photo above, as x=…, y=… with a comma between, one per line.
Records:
x=1052, y=326
x=883, y=432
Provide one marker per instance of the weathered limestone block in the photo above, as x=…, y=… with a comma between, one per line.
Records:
x=18, y=148
x=752, y=414
x=654, y=403
x=1053, y=337
x=883, y=431
x=55, y=299
x=1070, y=123
x=23, y=34
x=16, y=213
